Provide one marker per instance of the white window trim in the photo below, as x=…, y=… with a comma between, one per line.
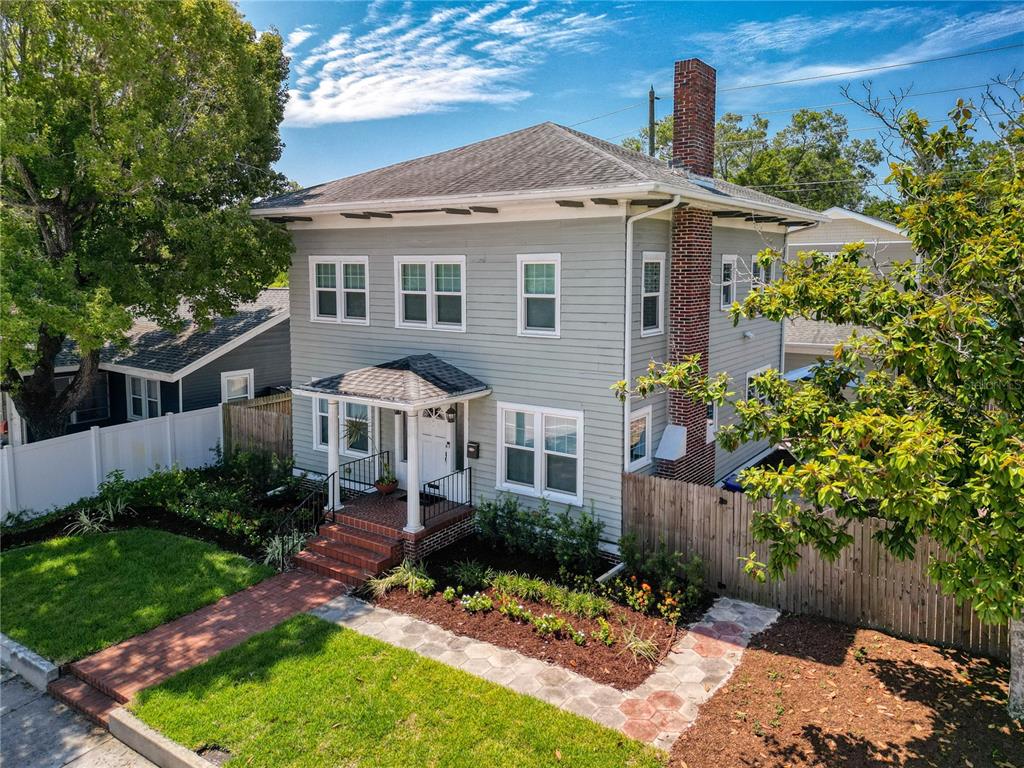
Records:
x=145, y=398
x=729, y=258
x=711, y=425
x=653, y=257
x=647, y=414
x=343, y=449
x=249, y=373
x=339, y=289
x=539, y=465
x=750, y=375
x=538, y=258
x=430, y=261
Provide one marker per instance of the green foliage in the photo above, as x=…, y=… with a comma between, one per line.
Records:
x=478, y=602
x=136, y=135
x=549, y=625
x=99, y=519
x=511, y=609
x=280, y=548
x=603, y=634
x=640, y=647
x=815, y=147
x=567, y=539
x=658, y=582
x=408, y=575
x=471, y=574
x=449, y=594
x=931, y=438
x=570, y=601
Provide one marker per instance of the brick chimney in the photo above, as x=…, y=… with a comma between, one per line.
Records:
x=689, y=276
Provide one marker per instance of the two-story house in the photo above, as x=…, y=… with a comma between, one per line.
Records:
x=468, y=313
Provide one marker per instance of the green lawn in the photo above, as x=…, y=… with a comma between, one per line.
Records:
x=309, y=693
x=68, y=597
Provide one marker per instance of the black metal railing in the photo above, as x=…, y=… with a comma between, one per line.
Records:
x=302, y=521
x=438, y=497
x=360, y=475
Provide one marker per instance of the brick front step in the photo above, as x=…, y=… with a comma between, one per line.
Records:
x=84, y=698
x=350, y=554
x=322, y=565
x=347, y=534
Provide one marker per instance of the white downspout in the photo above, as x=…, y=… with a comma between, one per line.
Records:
x=627, y=357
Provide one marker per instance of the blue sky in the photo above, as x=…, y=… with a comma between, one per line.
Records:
x=380, y=82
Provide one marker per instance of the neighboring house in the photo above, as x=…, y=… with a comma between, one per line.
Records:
x=157, y=372
x=471, y=310
x=808, y=341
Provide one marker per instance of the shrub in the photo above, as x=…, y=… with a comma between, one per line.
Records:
x=511, y=609
x=478, y=602
x=523, y=587
x=550, y=625
x=660, y=582
x=576, y=542
x=576, y=603
x=603, y=633
x=472, y=574
x=280, y=548
x=449, y=594
x=578, y=637
x=410, y=575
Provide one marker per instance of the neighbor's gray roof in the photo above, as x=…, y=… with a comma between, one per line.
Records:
x=534, y=159
x=151, y=348
x=802, y=331
x=408, y=381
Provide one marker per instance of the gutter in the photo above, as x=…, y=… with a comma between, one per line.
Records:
x=627, y=345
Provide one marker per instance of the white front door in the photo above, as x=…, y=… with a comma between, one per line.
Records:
x=437, y=438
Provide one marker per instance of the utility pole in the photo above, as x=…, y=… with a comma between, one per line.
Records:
x=651, y=98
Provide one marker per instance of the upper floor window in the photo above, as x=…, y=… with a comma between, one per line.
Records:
x=236, y=385
x=430, y=292
x=143, y=398
x=339, y=289
x=539, y=292
x=640, y=438
x=728, y=281
x=751, y=389
x=760, y=274
x=550, y=467
x=653, y=293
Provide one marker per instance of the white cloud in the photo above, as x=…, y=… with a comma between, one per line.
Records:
x=420, y=59
x=297, y=37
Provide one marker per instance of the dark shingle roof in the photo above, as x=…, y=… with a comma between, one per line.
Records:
x=538, y=158
x=408, y=381
x=150, y=347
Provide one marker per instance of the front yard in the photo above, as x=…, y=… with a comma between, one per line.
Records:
x=71, y=596
x=309, y=693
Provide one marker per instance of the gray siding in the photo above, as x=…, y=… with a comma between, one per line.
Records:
x=730, y=351
x=267, y=354
x=574, y=372
x=796, y=360
x=883, y=246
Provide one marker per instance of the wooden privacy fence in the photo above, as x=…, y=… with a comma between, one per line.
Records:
x=261, y=424
x=865, y=585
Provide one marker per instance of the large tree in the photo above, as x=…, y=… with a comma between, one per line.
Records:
x=134, y=136
x=812, y=161
x=918, y=420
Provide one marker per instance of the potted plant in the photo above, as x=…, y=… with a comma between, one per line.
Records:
x=387, y=482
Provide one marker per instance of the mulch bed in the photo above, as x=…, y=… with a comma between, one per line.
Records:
x=814, y=693
x=613, y=666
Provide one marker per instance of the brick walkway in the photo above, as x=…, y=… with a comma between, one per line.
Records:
x=115, y=674
x=657, y=712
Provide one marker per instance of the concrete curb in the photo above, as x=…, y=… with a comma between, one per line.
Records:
x=151, y=744
x=33, y=668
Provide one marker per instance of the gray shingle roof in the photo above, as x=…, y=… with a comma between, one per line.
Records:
x=541, y=157
x=151, y=348
x=802, y=331
x=408, y=381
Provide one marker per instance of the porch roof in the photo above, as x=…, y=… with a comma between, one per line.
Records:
x=413, y=381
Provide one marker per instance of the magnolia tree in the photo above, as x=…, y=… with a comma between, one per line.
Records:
x=918, y=420
x=135, y=134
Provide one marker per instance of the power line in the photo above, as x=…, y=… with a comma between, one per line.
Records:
x=871, y=69
x=766, y=139
x=609, y=114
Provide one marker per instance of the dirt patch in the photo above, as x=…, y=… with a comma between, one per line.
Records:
x=815, y=693
x=613, y=665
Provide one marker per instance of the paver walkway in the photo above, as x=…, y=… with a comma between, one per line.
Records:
x=38, y=732
x=150, y=658
x=657, y=711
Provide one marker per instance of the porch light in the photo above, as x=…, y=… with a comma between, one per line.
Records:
x=450, y=414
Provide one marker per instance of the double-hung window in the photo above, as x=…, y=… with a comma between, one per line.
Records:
x=541, y=452
x=353, y=429
x=236, y=385
x=143, y=398
x=430, y=292
x=760, y=274
x=539, y=310
x=751, y=389
x=728, y=281
x=653, y=277
x=640, y=439
x=339, y=289
x=711, y=419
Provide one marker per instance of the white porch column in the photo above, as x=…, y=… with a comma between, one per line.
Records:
x=414, y=518
x=333, y=452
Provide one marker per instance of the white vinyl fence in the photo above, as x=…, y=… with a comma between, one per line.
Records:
x=53, y=473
